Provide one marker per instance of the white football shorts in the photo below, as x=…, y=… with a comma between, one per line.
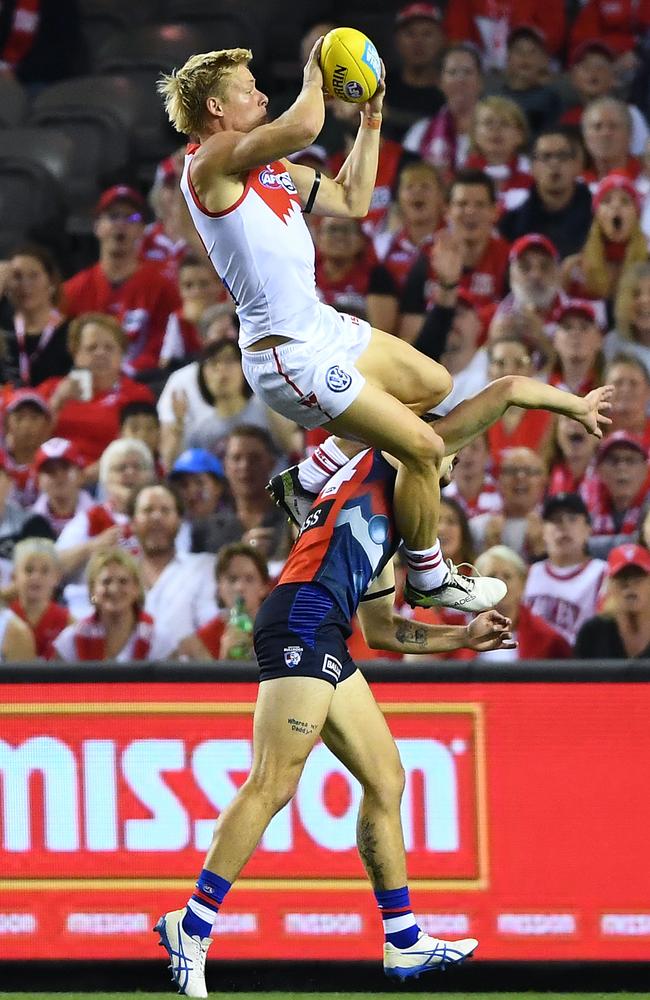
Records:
x=314, y=380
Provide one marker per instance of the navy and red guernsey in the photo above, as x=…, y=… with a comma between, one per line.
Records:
x=349, y=534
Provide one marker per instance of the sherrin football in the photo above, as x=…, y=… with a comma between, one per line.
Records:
x=351, y=65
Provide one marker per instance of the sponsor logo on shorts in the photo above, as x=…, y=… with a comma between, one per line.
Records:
x=337, y=379
x=293, y=655
x=332, y=667
x=353, y=88
x=311, y=400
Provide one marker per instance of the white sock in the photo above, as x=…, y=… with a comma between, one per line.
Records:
x=314, y=471
x=426, y=569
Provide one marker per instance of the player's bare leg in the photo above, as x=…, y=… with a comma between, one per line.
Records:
x=370, y=754
x=289, y=715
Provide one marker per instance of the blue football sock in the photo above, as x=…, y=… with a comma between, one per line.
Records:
x=203, y=905
x=400, y=926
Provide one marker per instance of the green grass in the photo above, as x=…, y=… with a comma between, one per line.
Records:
x=322, y=996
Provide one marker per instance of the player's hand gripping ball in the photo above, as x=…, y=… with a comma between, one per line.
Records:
x=351, y=65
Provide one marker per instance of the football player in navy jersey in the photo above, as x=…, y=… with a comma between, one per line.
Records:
x=311, y=689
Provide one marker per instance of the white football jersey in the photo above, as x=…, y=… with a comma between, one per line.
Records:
x=564, y=597
x=263, y=252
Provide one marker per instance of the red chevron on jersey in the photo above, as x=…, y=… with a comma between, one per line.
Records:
x=274, y=186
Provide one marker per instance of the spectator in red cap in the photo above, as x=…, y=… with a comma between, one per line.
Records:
x=499, y=137
x=618, y=23
x=607, y=131
x=526, y=76
x=36, y=577
x=88, y=412
x=489, y=25
x=578, y=343
x=632, y=315
x=420, y=204
x=27, y=424
x=614, y=243
x=622, y=631
x=414, y=92
x=536, y=639
x=630, y=410
x=535, y=286
x=558, y=205
x=483, y=261
x=592, y=66
x=135, y=292
x=444, y=139
x=617, y=496
x=58, y=471
x=36, y=344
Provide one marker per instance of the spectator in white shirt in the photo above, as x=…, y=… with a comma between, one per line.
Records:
x=563, y=589
x=179, y=586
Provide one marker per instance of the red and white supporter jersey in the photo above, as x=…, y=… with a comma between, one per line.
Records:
x=564, y=597
x=263, y=252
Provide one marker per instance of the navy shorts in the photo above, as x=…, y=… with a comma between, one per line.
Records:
x=300, y=632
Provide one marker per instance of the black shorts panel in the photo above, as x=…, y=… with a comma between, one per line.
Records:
x=309, y=644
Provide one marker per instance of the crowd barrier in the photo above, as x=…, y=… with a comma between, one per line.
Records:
x=525, y=812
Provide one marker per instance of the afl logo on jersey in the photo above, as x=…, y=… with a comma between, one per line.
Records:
x=272, y=180
x=337, y=379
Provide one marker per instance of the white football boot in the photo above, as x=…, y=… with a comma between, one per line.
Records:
x=426, y=955
x=462, y=593
x=287, y=493
x=187, y=953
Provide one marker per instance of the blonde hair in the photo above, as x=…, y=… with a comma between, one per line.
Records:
x=506, y=555
x=599, y=282
x=186, y=90
x=505, y=108
x=627, y=286
x=119, y=557
x=120, y=448
x=35, y=547
x=109, y=323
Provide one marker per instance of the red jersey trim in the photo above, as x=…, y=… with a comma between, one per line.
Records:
x=216, y=215
x=570, y=576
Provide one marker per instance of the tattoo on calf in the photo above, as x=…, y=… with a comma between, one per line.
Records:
x=410, y=632
x=306, y=728
x=367, y=845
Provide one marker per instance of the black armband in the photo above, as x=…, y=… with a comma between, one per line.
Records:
x=312, y=194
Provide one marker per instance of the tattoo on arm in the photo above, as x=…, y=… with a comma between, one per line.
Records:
x=367, y=844
x=411, y=633
x=306, y=728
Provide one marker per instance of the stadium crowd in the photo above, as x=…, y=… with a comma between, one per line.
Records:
x=508, y=235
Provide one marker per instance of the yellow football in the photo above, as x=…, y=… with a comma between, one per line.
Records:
x=351, y=65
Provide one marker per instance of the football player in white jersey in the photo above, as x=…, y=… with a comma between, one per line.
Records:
x=305, y=360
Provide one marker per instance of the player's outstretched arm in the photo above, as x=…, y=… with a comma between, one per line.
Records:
x=473, y=416
x=384, y=629
x=348, y=195
x=231, y=153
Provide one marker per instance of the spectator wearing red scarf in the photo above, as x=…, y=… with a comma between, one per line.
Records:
x=119, y=630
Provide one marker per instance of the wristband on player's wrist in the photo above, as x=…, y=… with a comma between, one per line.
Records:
x=371, y=121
